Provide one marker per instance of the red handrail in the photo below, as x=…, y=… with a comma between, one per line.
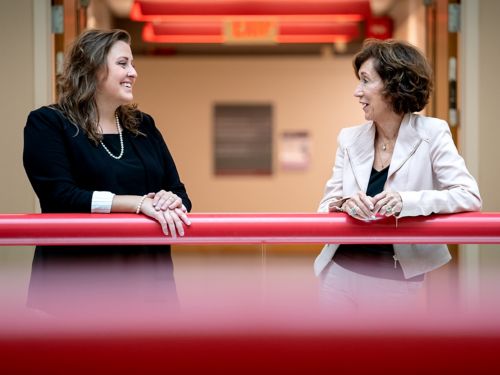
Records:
x=246, y=228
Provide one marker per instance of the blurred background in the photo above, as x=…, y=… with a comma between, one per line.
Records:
x=250, y=96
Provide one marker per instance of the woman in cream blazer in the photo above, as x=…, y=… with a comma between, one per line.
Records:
x=427, y=172
x=424, y=172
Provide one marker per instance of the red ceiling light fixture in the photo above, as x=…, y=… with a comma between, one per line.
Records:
x=246, y=22
x=183, y=32
x=249, y=31
x=217, y=10
x=318, y=32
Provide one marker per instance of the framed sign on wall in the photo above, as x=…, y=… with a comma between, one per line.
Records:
x=243, y=139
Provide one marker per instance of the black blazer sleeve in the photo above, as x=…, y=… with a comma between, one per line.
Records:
x=46, y=161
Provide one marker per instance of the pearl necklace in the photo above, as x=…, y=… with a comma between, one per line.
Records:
x=122, y=148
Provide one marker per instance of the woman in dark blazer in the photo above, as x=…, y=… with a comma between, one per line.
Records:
x=95, y=152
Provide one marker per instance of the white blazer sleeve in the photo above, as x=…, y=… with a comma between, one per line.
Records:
x=455, y=190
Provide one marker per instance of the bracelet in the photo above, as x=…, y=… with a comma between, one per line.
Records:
x=139, y=205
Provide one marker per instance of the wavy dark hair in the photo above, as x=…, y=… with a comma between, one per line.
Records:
x=77, y=84
x=405, y=72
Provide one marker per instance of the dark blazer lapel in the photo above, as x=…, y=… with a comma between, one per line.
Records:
x=361, y=154
x=406, y=144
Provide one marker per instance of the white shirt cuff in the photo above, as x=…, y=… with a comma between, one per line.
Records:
x=101, y=202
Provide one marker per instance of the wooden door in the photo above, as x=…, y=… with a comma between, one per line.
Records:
x=442, y=41
x=69, y=20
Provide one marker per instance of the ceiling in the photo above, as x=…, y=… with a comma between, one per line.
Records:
x=171, y=27
x=121, y=8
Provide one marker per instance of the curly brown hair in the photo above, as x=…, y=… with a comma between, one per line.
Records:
x=78, y=82
x=404, y=70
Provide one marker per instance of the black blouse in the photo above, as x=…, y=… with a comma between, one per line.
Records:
x=372, y=260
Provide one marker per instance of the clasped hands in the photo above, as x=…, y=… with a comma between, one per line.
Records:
x=363, y=207
x=166, y=208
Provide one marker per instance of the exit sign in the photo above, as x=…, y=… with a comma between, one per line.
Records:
x=250, y=31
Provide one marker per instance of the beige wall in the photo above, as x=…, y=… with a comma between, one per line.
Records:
x=489, y=84
x=480, y=53
x=489, y=127
x=308, y=93
x=409, y=21
x=16, y=100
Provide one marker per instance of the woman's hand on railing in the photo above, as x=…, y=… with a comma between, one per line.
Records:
x=164, y=200
x=359, y=206
x=168, y=211
x=388, y=203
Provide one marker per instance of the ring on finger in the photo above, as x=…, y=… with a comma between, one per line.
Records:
x=353, y=210
x=388, y=208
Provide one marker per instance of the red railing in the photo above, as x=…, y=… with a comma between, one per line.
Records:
x=293, y=337
x=246, y=228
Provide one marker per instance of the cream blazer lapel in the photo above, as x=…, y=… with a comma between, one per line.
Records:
x=407, y=143
x=361, y=154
